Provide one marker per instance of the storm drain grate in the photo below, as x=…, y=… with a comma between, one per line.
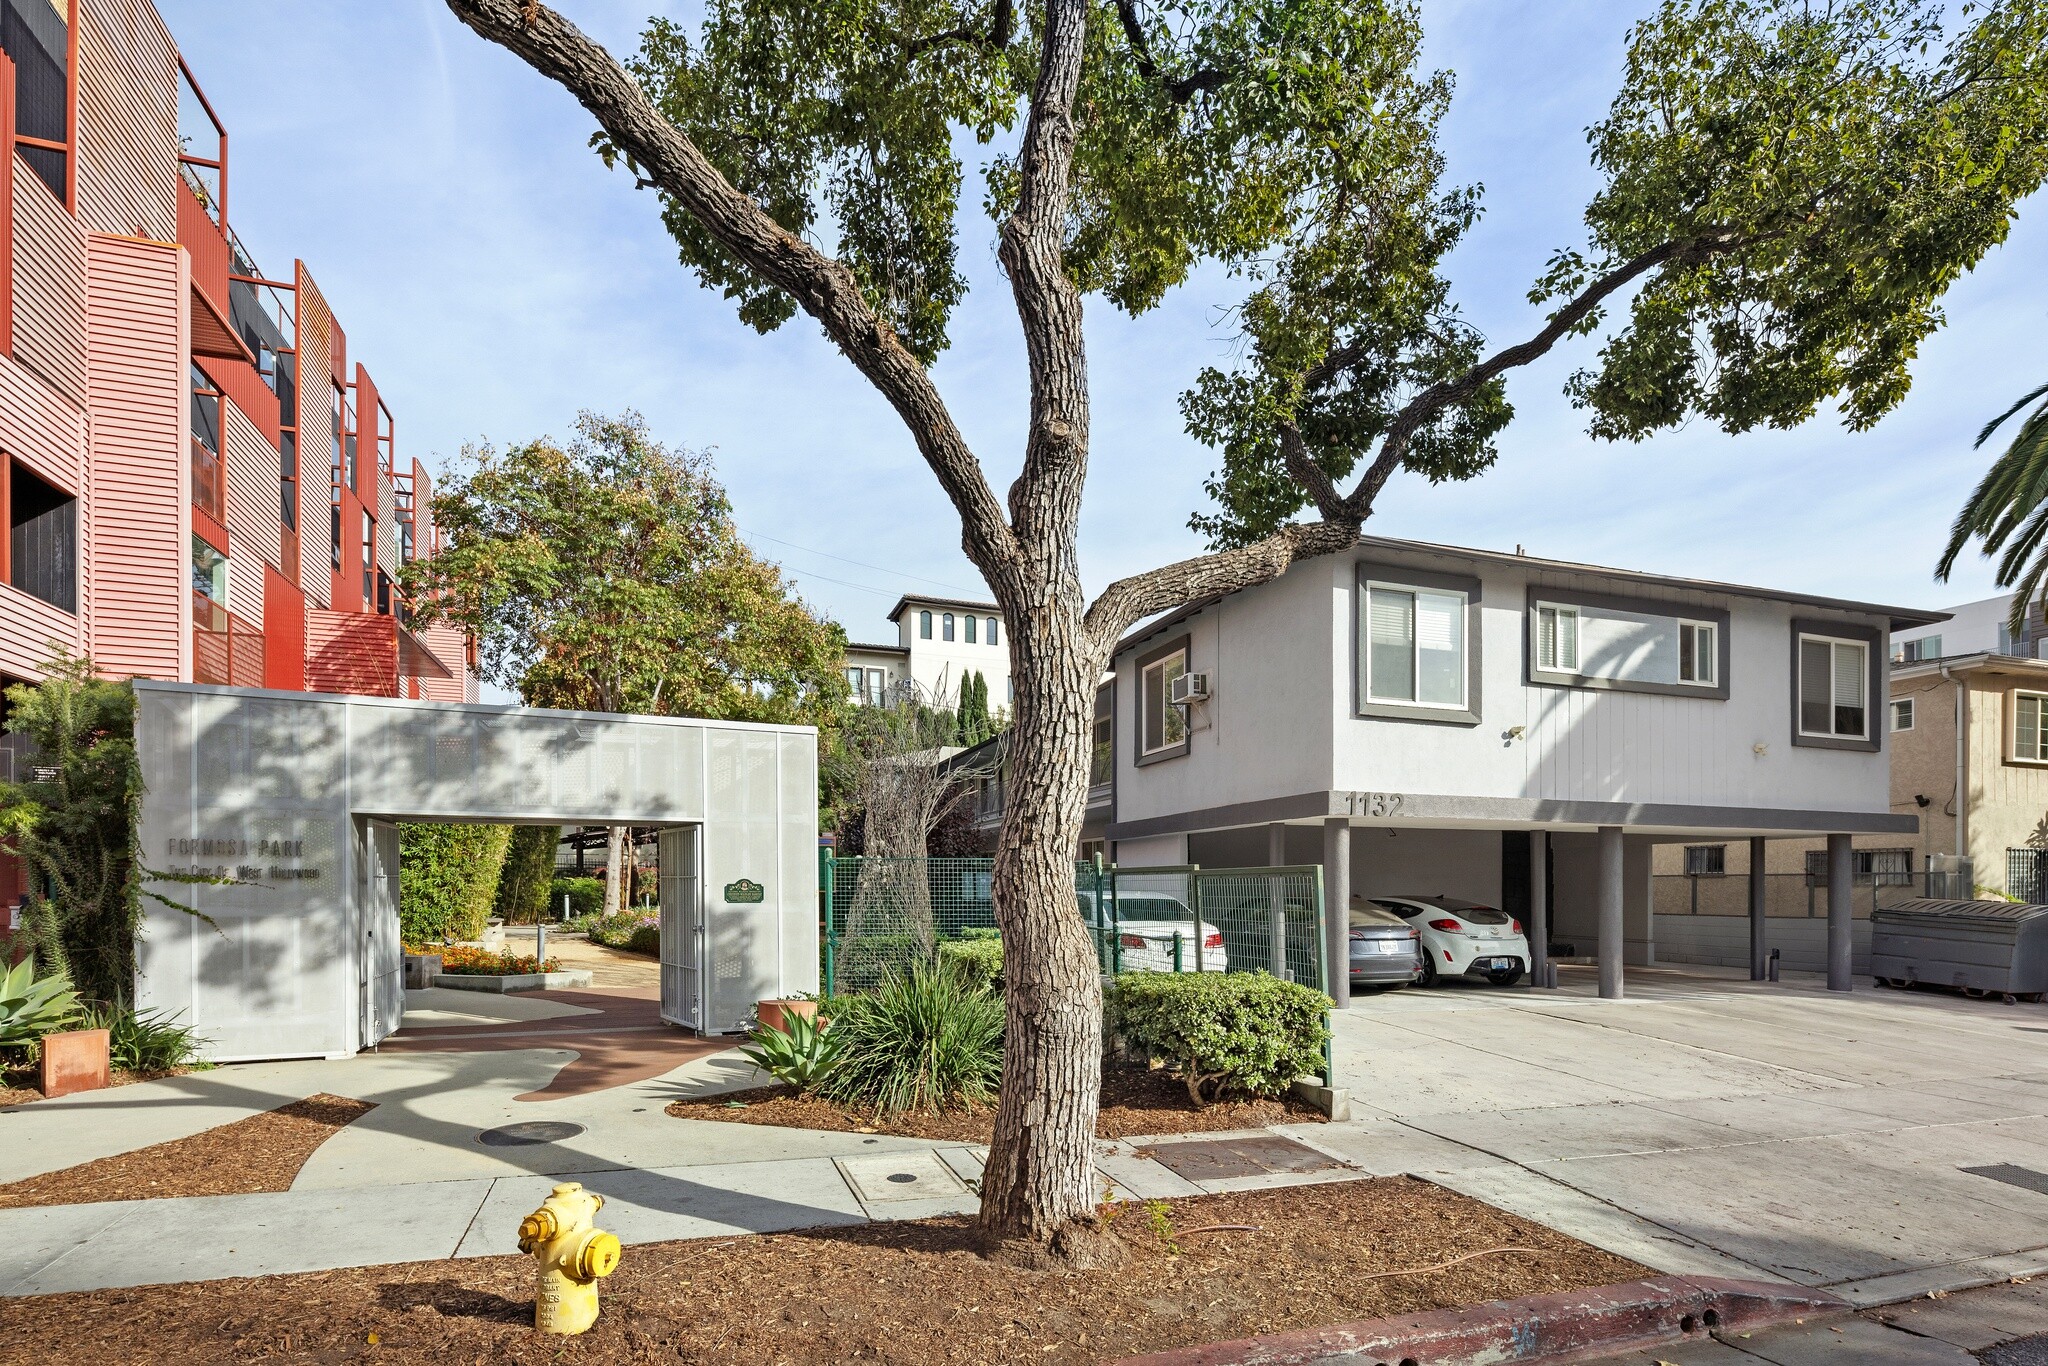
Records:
x=1227, y=1159
x=531, y=1132
x=2026, y=1178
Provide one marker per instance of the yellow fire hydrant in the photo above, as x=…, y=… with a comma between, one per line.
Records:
x=573, y=1253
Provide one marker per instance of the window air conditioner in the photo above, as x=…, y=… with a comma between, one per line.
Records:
x=1190, y=688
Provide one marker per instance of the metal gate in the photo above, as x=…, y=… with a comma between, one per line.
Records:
x=682, y=928
x=882, y=914
x=381, y=974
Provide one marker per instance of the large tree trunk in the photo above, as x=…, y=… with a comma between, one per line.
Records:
x=1038, y=1191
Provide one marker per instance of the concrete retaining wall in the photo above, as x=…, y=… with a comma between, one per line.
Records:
x=1723, y=940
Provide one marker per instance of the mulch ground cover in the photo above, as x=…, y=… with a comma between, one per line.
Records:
x=20, y=1087
x=1135, y=1101
x=894, y=1293
x=261, y=1153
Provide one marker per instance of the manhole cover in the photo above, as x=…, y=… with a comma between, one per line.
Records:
x=533, y=1131
x=902, y=1178
x=1226, y=1159
x=878, y=1178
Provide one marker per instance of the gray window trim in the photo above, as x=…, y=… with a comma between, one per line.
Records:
x=1873, y=685
x=1139, y=758
x=1370, y=570
x=1717, y=617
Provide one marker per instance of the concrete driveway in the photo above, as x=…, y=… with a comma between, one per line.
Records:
x=1711, y=1125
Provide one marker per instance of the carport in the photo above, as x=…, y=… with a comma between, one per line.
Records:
x=297, y=798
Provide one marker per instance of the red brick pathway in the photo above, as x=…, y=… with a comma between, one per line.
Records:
x=625, y=1042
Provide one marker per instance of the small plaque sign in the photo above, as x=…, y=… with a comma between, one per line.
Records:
x=745, y=892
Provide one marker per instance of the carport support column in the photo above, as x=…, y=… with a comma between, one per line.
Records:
x=1337, y=907
x=1610, y=874
x=1841, y=888
x=1759, y=905
x=1276, y=909
x=1539, y=908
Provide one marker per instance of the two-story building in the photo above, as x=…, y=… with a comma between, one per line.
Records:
x=940, y=642
x=1424, y=719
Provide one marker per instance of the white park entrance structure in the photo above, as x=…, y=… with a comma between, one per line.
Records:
x=298, y=796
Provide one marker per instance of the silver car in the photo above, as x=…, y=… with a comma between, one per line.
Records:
x=1385, y=949
x=1155, y=933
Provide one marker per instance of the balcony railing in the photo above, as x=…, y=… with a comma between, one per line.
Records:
x=209, y=482
x=288, y=552
x=225, y=649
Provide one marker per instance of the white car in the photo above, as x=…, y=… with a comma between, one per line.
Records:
x=1463, y=938
x=1147, y=927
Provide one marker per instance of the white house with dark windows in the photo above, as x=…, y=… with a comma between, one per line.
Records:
x=939, y=643
x=1429, y=720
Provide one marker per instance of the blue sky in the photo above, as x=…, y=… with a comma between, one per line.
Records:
x=495, y=279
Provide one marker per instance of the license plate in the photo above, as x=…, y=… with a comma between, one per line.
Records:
x=1498, y=962
x=1390, y=946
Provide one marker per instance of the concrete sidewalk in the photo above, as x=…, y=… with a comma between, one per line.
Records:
x=311, y=1227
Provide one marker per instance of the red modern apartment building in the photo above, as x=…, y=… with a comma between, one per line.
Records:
x=197, y=480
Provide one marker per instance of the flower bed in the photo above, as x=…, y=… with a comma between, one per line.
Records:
x=633, y=931
x=463, y=961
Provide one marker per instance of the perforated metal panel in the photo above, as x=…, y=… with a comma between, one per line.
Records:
x=305, y=959
x=682, y=927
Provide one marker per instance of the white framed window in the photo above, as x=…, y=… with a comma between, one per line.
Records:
x=1834, y=679
x=946, y=626
x=1557, y=637
x=855, y=679
x=1699, y=653
x=2030, y=727
x=1415, y=651
x=1163, y=725
x=1902, y=713
x=1706, y=860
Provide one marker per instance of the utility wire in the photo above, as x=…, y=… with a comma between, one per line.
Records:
x=879, y=569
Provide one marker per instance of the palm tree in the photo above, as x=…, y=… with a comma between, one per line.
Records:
x=2009, y=509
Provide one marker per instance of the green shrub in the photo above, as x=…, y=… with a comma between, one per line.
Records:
x=1241, y=1033
x=448, y=876
x=799, y=1055
x=978, y=962
x=925, y=1041
x=528, y=873
x=146, y=1040
x=586, y=895
x=634, y=931
x=32, y=1006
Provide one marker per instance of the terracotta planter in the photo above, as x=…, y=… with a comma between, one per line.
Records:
x=777, y=1014
x=74, y=1061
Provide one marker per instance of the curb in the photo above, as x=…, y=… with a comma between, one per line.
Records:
x=522, y=981
x=1565, y=1325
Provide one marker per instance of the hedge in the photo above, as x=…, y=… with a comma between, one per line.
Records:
x=586, y=895
x=1241, y=1033
x=978, y=961
x=630, y=930
x=528, y=873
x=448, y=877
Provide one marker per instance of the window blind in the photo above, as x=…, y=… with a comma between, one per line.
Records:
x=1391, y=650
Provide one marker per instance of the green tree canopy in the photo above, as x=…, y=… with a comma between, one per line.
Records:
x=608, y=575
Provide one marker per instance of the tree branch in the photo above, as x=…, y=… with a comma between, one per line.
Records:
x=1045, y=501
x=1179, y=91
x=1000, y=27
x=821, y=286
x=1131, y=600
x=1448, y=393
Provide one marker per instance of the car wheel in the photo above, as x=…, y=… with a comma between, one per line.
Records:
x=1504, y=977
x=1428, y=970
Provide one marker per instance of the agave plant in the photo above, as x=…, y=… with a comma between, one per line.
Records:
x=32, y=1006
x=797, y=1055
x=928, y=1040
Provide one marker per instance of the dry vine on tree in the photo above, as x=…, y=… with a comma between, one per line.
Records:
x=1787, y=189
